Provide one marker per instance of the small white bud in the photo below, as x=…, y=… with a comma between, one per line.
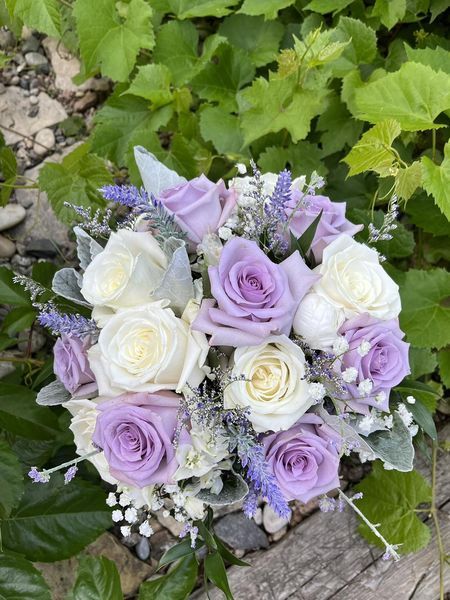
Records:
x=225, y=233
x=365, y=387
x=340, y=346
x=131, y=515
x=242, y=169
x=317, y=391
x=117, y=516
x=124, y=499
x=145, y=529
x=364, y=348
x=125, y=530
x=111, y=500
x=410, y=400
x=350, y=375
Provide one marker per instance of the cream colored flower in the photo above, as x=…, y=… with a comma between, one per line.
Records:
x=317, y=321
x=274, y=388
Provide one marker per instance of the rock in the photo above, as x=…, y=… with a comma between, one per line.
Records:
x=278, y=534
x=87, y=101
x=31, y=44
x=11, y=215
x=36, y=60
x=271, y=521
x=2, y=88
x=7, y=247
x=239, y=532
x=142, y=549
x=41, y=248
x=15, y=113
x=21, y=261
x=38, y=341
x=15, y=80
x=160, y=542
x=175, y=527
x=6, y=368
x=258, y=516
x=33, y=100
x=7, y=39
x=44, y=140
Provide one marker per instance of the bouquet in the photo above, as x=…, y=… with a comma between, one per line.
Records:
x=232, y=343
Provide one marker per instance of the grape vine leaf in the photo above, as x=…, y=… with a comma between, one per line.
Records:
x=424, y=213
x=326, y=6
x=111, y=35
x=222, y=129
x=190, y=9
x=414, y=96
x=363, y=47
x=444, y=367
x=338, y=126
x=373, y=151
x=76, y=180
x=43, y=15
x=408, y=179
x=268, y=8
x=437, y=58
x=436, y=180
x=259, y=38
x=176, y=47
x=55, y=521
x=11, y=480
x=97, y=578
x=301, y=158
x=390, y=498
x=425, y=315
x=421, y=361
x=20, y=580
x=153, y=83
x=390, y=12
x=8, y=168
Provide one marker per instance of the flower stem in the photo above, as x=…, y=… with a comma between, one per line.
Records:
x=70, y=463
x=372, y=527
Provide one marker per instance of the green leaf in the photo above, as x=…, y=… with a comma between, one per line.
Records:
x=301, y=158
x=176, y=47
x=421, y=361
x=414, y=96
x=339, y=128
x=425, y=317
x=215, y=571
x=408, y=180
x=437, y=58
x=424, y=213
x=8, y=168
x=423, y=417
x=181, y=550
x=123, y=121
x=19, y=580
x=19, y=414
x=10, y=292
x=43, y=15
x=361, y=50
x=259, y=38
x=228, y=70
x=55, y=521
x=305, y=240
x=97, y=579
x=444, y=367
x=18, y=319
x=75, y=180
x=278, y=104
x=268, y=8
x=423, y=392
x=222, y=129
x=11, y=480
x=189, y=9
x=393, y=447
x=436, y=180
x=227, y=555
x=390, y=12
x=153, y=83
x=390, y=498
x=437, y=7
x=373, y=151
x=177, y=584
x=112, y=42
x=326, y=6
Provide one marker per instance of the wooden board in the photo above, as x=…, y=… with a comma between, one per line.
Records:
x=324, y=558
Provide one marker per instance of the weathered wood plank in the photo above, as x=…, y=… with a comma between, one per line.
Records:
x=324, y=558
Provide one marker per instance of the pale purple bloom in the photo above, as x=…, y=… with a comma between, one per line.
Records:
x=71, y=365
x=70, y=474
x=304, y=459
x=38, y=476
x=136, y=433
x=199, y=206
x=385, y=364
x=252, y=296
x=332, y=222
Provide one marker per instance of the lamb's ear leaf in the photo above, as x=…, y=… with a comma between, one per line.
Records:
x=87, y=247
x=234, y=489
x=67, y=284
x=155, y=176
x=53, y=394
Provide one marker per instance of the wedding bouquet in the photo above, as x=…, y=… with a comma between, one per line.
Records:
x=232, y=344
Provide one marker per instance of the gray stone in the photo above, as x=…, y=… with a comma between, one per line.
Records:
x=15, y=114
x=34, y=59
x=33, y=99
x=2, y=88
x=7, y=247
x=142, y=549
x=87, y=101
x=38, y=341
x=44, y=140
x=11, y=215
x=31, y=44
x=41, y=248
x=239, y=532
x=175, y=527
x=271, y=521
x=21, y=261
x=7, y=39
x=6, y=368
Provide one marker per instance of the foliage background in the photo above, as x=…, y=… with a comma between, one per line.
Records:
x=358, y=91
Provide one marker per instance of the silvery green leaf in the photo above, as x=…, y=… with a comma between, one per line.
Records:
x=52, y=394
x=67, y=283
x=376, y=424
x=234, y=489
x=394, y=447
x=155, y=176
x=346, y=431
x=87, y=247
x=176, y=284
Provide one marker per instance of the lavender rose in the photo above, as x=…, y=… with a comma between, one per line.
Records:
x=332, y=222
x=135, y=432
x=71, y=365
x=199, y=206
x=378, y=357
x=255, y=297
x=304, y=459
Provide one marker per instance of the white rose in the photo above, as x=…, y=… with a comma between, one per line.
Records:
x=317, y=321
x=126, y=272
x=139, y=497
x=84, y=416
x=353, y=279
x=274, y=388
x=201, y=453
x=243, y=187
x=145, y=349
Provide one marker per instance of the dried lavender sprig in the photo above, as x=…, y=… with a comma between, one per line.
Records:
x=58, y=323
x=126, y=195
x=275, y=212
x=34, y=288
x=97, y=223
x=162, y=221
x=389, y=224
x=44, y=475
